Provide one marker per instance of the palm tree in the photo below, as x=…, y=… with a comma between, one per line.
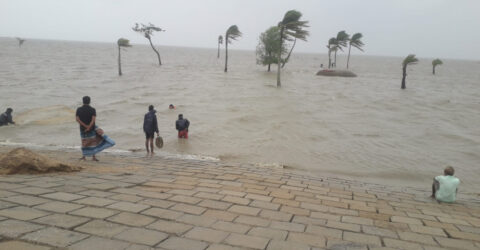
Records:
x=233, y=33
x=147, y=31
x=122, y=42
x=220, y=41
x=331, y=47
x=341, y=41
x=20, y=41
x=355, y=42
x=289, y=53
x=435, y=63
x=290, y=28
x=410, y=59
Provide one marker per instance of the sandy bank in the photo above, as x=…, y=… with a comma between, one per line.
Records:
x=336, y=72
x=24, y=161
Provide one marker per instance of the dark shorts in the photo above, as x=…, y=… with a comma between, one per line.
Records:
x=149, y=135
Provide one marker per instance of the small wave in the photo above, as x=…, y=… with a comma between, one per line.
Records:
x=56, y=114
x=167, y=155
x=192, y=157
x=271, y=165
x=366, y=135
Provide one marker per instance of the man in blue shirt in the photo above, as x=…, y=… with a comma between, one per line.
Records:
x=445, y=186
x=150, y=126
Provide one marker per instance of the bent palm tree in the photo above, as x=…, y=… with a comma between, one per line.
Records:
x=410, y=59
x=147, y=31
x=20, y=41
x=341, y=41
x=233, y=33
x=290, y=28
x=122, y=42
x=355, y=42
x=435, y=63
x=220, y=41
x=331, y=47
x=289, y=53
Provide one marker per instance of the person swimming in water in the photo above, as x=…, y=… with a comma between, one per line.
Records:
x=171, y=106
x=6, y=118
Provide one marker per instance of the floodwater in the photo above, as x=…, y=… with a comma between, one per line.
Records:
x=365, y=128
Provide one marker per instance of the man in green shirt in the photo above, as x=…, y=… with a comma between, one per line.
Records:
x=445, y=186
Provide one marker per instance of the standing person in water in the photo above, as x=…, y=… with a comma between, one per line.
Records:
x=93, y=138
x=182, y=127
x=445, y=187
x=150, y=126
x=6, y=117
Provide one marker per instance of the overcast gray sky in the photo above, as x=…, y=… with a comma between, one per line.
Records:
x=428, y=28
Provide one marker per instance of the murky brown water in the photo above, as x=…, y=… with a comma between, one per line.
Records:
x=364, y=127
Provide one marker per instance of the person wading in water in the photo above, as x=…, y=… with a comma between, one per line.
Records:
x=182, y=127
x=150, y=126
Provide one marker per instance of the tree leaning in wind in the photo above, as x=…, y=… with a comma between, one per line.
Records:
x=355, y=42
x=410, y=59
x=290, y=28
x=147, y=31
x=332, y=46
x=435, y=63
x=122, y=42
x=220, y=41
x=340, y=42
x=20, y=41
x=269, y=46
x=233, y=33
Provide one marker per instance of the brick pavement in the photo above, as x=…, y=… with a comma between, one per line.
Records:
x=161, y=203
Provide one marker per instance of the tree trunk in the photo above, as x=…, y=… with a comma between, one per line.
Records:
x=335, y=63
x=289, y=53
x=279, y=84
x=329, y=57
x=226, y=52
x=404, y=76
x=158, y=54
x=348, y=58
x=218, y=53
x=119, y=63
x=433, y=70
x=270, y=60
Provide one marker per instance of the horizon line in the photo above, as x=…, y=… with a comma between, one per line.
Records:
x=249, y=50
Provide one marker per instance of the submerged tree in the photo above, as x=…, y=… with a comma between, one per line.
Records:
x=233, y=33
x=290, y=28
x=147, y=31
x=122, y=42
x=20, y=41
x=410, y=59
x=435, y=63
x=340, y=42
x=220, y=41
x=355, y=42
x=268, y=47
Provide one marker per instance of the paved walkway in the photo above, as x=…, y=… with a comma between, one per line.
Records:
x=172, y=204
